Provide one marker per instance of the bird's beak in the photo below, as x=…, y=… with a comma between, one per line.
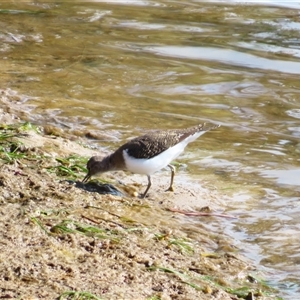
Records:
x=86, y=178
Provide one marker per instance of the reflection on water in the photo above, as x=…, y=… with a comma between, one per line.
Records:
x=289, y=177
x=229, y=57
x=119, y=69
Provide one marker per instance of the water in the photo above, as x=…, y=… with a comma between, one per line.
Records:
x=121, y=68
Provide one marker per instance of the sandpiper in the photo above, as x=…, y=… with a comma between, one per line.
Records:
x=148, y=153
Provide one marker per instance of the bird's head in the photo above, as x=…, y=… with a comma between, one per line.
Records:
x=95, y=165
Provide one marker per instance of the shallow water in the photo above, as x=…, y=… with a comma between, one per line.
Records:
x=94, y=66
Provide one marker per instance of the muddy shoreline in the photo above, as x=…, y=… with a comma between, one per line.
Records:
x=63, y=242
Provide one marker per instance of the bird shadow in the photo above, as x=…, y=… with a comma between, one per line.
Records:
x=96, y=187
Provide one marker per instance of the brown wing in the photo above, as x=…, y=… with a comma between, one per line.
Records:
x=155, y=142
x=150, y=145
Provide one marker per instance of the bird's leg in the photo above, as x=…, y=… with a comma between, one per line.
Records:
x=148, y=187
x=172, y=178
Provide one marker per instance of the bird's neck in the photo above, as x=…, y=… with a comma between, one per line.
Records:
x=114, y=161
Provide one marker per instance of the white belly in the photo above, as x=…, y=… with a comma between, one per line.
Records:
x=150, y=166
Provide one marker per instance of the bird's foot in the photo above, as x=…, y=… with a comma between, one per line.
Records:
x=142, y=196
x=170, y=189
